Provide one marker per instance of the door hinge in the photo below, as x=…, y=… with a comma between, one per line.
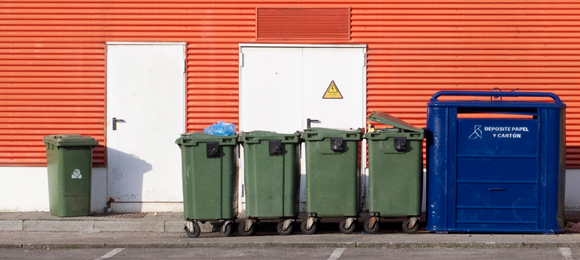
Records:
x=364, y=59
x=241, y=59
x=184, y=59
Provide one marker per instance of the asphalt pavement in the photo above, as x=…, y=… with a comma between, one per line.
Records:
x=440, y=253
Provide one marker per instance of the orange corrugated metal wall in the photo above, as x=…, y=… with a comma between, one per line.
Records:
x=52, y=58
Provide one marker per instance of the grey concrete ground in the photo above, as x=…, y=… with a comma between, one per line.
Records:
x=56, y=240
x=165, y=230
x=127, y=222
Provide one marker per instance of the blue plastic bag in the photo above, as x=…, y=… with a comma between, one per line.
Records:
x=221, y=128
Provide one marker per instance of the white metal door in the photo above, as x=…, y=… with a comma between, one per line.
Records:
x=271, y=89
x=282, y=86
x=146, y=97
x=343, y=66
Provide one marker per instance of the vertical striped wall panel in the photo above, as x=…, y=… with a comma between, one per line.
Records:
x=52, y=58
x=417, y=49
x=48, y=88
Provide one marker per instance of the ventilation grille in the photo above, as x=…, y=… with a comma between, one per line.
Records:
x=303, y=23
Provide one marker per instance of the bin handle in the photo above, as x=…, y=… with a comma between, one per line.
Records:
x=496, y=94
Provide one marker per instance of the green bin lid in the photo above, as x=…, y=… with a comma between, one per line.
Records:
x=193, y=138
x=257, y=136
x=319, y=133
x=70, y=140
x=386, y=119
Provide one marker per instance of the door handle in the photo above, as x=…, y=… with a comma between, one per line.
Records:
x=115, y=120
x=310, y=121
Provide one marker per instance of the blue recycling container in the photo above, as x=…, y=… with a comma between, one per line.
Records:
x=489, y=173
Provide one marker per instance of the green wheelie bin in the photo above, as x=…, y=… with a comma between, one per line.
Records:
x=272, y=179
x=209, y=180
x=69, y=160
x=395, y=172
x=332, y=177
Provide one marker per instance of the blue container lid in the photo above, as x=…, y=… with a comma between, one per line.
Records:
x=495, y=103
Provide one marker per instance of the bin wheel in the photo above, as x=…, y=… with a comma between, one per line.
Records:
x=368, y=228
x=195, y=232
x=250, y=231
x=227, y=229
x=410, y=230
x=307, y=231
x=281, y=230
x=343, y=229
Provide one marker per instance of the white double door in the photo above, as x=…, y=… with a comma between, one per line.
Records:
x=281, y=87
x=145, y=115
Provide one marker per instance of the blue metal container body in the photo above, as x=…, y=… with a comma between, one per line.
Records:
x=495, y=175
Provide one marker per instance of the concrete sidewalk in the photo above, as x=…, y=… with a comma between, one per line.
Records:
x=166, y=230
x=115, y=222
x=53, y=240
x=171, y=222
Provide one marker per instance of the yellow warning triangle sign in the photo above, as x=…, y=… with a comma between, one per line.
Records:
x=332, y=92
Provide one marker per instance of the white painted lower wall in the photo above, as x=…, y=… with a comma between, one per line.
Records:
x=26, y=189
x=572, y=201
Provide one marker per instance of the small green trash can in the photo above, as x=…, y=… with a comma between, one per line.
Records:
x=69, y=160
x=209, y=180
x=395, y=172
x=332, y=177
x=272, y=179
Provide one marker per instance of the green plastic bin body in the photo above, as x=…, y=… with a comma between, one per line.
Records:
x=69, y=160
x=271, y=174
x=395, y=172
x=209, y=175
x=332, y=183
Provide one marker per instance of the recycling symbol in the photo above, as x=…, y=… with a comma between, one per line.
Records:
x=77, y=174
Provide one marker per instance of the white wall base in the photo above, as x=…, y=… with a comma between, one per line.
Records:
x=99, y=196
x=26, y=189
x=572, y=201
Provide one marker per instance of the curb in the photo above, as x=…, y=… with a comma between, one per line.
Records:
x=92, y=226
x=96, y=226
x=11, y=225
